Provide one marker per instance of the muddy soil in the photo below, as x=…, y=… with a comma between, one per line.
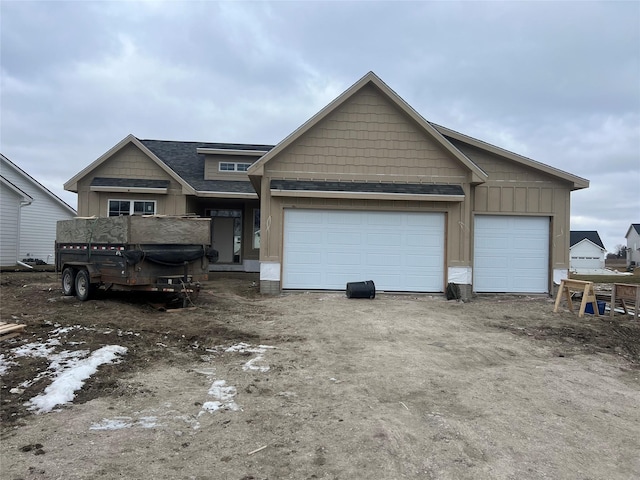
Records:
x=314, y=385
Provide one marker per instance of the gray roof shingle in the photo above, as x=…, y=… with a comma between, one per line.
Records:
x=576, y=236
x=366, y=187
x=187, y=163
x=129, y=182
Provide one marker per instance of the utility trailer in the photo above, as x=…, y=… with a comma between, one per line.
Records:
x=134, y=253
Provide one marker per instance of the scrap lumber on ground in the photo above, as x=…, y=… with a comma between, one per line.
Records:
x=10, y=330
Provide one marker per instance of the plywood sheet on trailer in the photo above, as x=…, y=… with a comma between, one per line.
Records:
x=170, y=230
x=135, y=230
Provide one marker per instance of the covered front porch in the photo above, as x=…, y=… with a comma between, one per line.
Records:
x=235, y=232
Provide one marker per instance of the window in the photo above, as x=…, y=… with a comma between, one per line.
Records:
x=256, y=228
x=233, y=167
x=131, y=207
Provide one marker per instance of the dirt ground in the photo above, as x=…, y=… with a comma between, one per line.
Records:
x=318, y=386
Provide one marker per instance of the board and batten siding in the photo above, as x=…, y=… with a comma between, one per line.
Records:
x=10, y=214
x=516, y=189
x=37, y=220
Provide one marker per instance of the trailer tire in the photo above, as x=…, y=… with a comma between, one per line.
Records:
x=83, y=285
x=68, y=282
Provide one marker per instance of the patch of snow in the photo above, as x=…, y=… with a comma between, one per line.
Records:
x=210, y=407
x=222, y=392
x=250, y=365
x=118, y=423
x=121, y=333
x=246, y=348
x=71, y=379
x=148, y=422
x=598, y=271
x=5, y=364
x=43, y=350
x=223, y=395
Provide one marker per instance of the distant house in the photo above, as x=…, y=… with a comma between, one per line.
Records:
x=586, y=250
x=633, y=244
x=29, y=212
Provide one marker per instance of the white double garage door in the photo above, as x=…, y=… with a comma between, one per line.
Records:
x=404, y=251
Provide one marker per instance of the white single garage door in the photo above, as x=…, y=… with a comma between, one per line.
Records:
x=511, y=254
x=585, y=263
x=399, y=251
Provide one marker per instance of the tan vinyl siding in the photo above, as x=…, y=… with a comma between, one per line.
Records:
x=248, y=252
x=364, y=139
x=368, y=139
x=271, y=247
x=516, y=189
x=212, y=167
x=129, y=162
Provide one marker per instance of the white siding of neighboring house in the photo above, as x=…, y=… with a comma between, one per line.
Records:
x=10, y=215
x=633, y=246
x=38, y=220
x=586, y=255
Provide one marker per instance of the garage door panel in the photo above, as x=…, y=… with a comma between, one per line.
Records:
x=420, y=263
x=343, y=259
x=399, y=251
x=511, y=254
x=342, y=238
x=303, y=258
x=382, y=219
x=491, y=263
x=343, y=220
x=385, y=239
x=374, y=261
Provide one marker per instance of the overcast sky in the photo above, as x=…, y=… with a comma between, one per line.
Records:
x=557, y=82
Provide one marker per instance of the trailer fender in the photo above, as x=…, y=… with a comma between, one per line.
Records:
x=94, y=274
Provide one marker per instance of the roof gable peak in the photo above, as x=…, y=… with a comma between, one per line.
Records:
x=257, y=169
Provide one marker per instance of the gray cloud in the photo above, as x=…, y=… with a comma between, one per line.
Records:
x=555, y=81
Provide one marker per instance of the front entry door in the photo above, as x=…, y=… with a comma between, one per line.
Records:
x=223, y=238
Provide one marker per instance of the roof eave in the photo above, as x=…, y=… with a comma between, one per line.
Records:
x=44, y=189
x=577, y=183
x=212, y=194
x=591, y=242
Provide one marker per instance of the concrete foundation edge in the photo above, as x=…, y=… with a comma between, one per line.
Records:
x=269, y=287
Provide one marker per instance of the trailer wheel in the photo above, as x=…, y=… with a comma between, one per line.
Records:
x=68, y=282
x=83, y=285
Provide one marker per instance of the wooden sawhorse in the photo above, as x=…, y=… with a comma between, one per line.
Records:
x=625, y=292
x=588, y=295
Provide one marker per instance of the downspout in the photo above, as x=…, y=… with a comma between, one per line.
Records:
x=23, y=203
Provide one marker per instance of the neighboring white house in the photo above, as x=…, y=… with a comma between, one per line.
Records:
x=633, y=244
x=12, y=200
x=586, y=250
x=32, y=235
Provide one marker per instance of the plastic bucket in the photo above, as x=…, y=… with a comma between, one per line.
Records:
x=361, y=289
x=589, y=307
